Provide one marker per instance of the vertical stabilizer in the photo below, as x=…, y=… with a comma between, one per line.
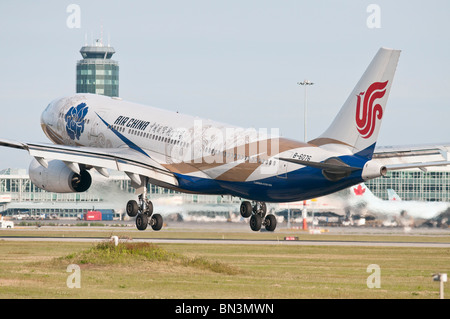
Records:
x=358, y=122
x=392, y=195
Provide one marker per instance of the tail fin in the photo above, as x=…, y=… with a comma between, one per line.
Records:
x=392, y=195
x=362, y=192
x=358, y=122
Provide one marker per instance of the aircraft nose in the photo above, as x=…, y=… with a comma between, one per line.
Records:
x=44, y=114
x=49, y=119
x=47, y=116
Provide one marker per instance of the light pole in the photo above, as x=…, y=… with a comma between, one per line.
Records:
x=305, y=83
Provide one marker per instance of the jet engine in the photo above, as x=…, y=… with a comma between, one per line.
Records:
x=58, y=178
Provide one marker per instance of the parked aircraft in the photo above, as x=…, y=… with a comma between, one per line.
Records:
x=361, y=199
x=392, y=195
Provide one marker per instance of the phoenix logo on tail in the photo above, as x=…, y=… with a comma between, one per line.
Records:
x=367, y=115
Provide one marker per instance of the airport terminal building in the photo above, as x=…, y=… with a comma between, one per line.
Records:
x=416, y=185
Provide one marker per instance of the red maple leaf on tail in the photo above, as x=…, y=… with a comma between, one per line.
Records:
x=359, y=190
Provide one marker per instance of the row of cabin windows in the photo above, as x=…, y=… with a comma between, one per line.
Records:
x=185, y=144
x=155, y=137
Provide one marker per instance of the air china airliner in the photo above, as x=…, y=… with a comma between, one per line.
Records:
x=193, y=155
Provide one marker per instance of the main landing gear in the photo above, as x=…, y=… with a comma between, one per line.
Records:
x=143, y=211
x=257, y=213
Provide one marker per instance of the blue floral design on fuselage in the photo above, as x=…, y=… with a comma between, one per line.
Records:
x=75, y=120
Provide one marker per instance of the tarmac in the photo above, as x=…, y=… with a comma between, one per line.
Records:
x=212, y=227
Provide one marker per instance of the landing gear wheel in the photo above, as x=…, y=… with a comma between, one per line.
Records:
x=149, y=210
x=246, y=209
x=270, y=222
x=156, y=222
x=132, y=208
x=255, y=222
x=142, y=221
x=143, y=209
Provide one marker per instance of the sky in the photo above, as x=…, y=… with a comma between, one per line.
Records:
x=236, y=62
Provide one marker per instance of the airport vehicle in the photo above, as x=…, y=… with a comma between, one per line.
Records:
x=6, y=223
x=189, y=154
x=92, y=215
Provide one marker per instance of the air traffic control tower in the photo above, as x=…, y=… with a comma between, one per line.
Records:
x=97, y=73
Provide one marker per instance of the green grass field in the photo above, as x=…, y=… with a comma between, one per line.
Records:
x=39, y=270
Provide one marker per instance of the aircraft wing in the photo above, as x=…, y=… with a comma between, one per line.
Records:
x=413, y=156
x=392, y=158
x=132, y=162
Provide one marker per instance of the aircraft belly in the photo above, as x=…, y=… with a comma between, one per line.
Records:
x=301, y=184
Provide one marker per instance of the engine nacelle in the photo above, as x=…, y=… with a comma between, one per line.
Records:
x=58, y=178
x=373, y=169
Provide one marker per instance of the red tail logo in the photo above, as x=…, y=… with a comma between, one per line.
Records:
x=367, y=114
x=359, y=190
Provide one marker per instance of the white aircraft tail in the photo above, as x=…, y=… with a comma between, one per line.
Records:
x=358, y=122
x=362, y=192
x=392, y=195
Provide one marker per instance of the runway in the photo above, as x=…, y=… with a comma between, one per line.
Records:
x=281, y=241
x=219, y=233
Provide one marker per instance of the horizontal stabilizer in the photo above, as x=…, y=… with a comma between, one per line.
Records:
x=332, y=168
x=324, y=165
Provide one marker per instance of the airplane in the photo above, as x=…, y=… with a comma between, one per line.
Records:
x=362, y=200
x=193, y=155
x=392, y=195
